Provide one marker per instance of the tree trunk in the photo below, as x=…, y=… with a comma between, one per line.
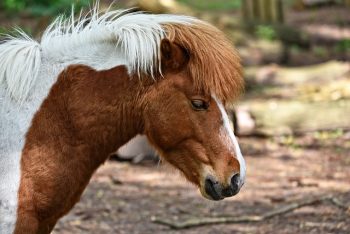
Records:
x=263, y=11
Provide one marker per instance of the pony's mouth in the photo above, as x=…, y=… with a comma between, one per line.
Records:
x=213, y=190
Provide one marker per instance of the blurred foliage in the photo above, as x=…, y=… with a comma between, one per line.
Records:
x=320, y=51
x=287, y=140
x=42, y=7
x=217, y=5
x=6, y=32
x=13, y=5
x=326, y=135
x=266, y=32
x=343, y=45
x=2, y=30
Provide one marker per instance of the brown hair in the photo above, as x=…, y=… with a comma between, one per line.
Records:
x=214, y=64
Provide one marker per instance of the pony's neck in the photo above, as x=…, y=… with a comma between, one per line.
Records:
x=86, y=116
x=90, y=113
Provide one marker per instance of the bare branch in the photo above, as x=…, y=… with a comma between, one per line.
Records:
x=194, y=222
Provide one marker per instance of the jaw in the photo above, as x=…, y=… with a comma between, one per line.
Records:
x=193, y=174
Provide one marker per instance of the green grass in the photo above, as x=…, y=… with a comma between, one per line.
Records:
x=213, y=5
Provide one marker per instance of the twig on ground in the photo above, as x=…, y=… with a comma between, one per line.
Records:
x=338, y=203
x=194, y=222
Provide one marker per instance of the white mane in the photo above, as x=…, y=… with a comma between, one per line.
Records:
x=99, y=40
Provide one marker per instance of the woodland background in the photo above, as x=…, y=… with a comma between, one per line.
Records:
x=293, y=122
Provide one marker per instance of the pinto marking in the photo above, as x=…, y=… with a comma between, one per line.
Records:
x=227, y=129
x=137, y=75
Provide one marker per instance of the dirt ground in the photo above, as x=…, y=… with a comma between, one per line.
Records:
x=123, y=198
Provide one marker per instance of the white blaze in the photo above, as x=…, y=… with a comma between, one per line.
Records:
x=228, y=130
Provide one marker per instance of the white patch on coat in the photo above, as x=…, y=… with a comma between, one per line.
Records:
x=9, y=180
x=228, y=133
x=15, y=120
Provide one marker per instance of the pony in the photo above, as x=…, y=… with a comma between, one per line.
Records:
x=91, y=84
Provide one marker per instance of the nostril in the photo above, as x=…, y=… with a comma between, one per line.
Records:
x=235, y=183
x=235, y=179
x=212, y=188
x=211, y=181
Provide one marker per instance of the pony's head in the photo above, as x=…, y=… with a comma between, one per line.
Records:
x=193, y=73
x=185, y=117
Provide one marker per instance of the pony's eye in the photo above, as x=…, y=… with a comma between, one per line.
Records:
x=198, y=104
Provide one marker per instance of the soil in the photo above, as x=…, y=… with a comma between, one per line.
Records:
x=122, y=198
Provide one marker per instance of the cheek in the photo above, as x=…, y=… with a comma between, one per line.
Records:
x=169, y=124
x=182, y=160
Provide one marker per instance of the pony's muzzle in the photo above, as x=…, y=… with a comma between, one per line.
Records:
x=216, y=191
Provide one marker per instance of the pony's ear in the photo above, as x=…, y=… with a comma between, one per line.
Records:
x=173, y=57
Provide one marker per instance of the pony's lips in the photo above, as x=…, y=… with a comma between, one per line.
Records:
x=210, y=197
